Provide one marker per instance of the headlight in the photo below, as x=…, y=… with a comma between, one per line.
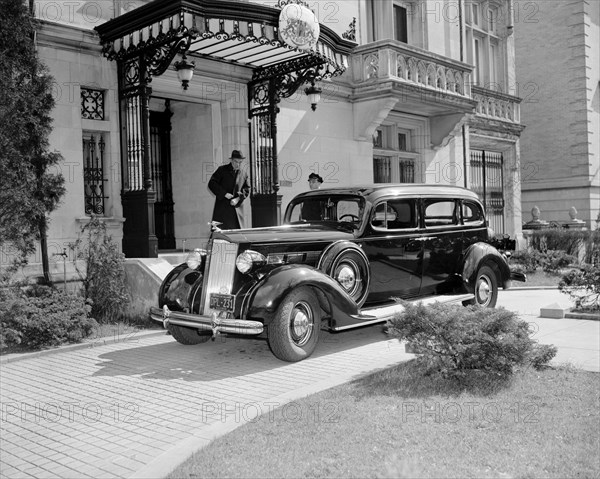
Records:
x=248, y=260
x=195, y=258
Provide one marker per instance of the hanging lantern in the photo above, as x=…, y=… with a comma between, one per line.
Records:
x=298, y=26
x=185, y=71
x=314, y=95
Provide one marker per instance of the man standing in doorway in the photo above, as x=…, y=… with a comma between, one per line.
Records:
x=230, y=186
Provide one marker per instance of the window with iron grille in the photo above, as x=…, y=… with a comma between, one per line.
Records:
x=393, y=160
x=92, y=104
x=390, y=169
x=94, y=146
x=486, y=179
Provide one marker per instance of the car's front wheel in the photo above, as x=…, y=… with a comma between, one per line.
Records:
x=294, y=332
x=486, y=288
x=187, y=336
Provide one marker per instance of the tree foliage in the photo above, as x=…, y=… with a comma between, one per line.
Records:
x=31, y=183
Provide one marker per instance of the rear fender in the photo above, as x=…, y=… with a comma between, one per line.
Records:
x=274, y=286
x=478, y=255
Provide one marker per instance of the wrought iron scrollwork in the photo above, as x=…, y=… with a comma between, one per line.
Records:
x=93, y=175
x=260, y=94
x=350, y=34
x=92, y=104
x=131, y=73
x=161, y=57
x=320, y=67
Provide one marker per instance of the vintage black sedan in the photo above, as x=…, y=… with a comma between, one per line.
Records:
x=341, y=260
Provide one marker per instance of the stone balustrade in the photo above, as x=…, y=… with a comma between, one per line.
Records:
x=411, y=65
x=496, y=105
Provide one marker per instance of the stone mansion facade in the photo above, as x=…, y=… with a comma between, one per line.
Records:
x=411, y=91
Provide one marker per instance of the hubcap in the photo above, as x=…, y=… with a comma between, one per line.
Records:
x=484, y=292
x=301, y=323
x=347, y=277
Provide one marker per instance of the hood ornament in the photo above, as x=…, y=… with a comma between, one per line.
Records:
x=214, y=226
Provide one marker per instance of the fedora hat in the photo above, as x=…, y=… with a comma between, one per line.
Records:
x=237, y=155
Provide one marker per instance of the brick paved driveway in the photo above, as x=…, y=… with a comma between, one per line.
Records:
x=111, y=411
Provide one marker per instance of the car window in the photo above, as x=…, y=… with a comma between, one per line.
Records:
x=348, y=211
x=327, y=208
x=440, y=213
x=395, y=214
x=472, y=214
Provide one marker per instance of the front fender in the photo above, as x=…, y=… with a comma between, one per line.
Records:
x=479, y=254
x=274, y=286
x=179, y=290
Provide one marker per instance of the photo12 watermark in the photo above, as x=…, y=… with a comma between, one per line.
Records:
x=293, y=412
x=450, y=412
x=68, y=412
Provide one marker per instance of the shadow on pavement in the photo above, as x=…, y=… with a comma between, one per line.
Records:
x=226, y=357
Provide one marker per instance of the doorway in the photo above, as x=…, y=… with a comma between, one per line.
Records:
x=160, y=163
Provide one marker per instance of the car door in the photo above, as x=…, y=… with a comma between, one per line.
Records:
x=442, y=242
x=394, y=249
x=474, y=224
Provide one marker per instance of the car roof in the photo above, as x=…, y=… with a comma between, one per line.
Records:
x=374, y=192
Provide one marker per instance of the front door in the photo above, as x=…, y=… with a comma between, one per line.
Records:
x=160, y=156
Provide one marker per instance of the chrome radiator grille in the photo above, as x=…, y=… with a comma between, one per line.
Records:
x=221, y=269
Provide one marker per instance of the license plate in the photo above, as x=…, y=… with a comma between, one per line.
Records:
x=221, y=302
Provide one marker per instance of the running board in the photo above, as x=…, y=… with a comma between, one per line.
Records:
x=381, y=314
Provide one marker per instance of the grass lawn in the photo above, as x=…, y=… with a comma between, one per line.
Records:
x=397, y=423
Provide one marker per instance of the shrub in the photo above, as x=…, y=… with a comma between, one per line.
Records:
x=569, y=241
x=551, y=261
x=583, y=286
x=42, y=316
x=555, y=260
x=530, y=260
x=104, y=282
x=453, y=340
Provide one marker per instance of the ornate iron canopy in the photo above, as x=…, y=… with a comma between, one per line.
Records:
x=236, y=32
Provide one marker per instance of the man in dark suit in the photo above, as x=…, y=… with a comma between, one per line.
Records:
x=230, y=185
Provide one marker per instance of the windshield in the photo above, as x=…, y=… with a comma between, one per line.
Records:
x=320, y=209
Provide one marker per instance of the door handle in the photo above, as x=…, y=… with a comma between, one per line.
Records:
x=425, y=238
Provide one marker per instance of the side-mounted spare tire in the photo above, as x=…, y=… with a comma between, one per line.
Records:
x=348, y=264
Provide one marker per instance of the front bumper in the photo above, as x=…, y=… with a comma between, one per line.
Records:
x=206, y=323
